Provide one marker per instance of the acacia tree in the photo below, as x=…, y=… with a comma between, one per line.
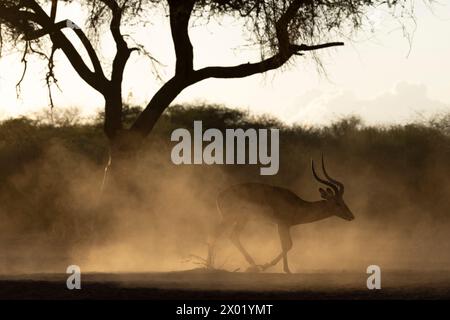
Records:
x=281, y=28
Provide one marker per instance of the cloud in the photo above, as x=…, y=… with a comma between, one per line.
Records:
x=407, y=102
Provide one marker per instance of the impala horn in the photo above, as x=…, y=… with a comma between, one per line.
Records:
x=325, y=182
x=337, y=183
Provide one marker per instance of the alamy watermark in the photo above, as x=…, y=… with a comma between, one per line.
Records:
x=221, y=150
x=374, y=280
x=74, y=280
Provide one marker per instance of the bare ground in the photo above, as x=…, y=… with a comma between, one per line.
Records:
x=196, y=284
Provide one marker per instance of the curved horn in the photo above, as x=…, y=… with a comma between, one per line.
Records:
x=325, y=182
x=337, y=183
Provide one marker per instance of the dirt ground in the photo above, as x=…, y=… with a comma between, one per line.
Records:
x=195, y=284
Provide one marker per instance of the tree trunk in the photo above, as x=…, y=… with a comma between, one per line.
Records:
x=125, y=144
x=123, y=155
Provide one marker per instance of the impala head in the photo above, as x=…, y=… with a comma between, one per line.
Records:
x=333, y=194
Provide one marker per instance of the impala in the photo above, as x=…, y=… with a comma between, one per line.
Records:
x=243, y=202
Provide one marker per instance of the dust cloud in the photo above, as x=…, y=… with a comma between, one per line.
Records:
x=54, y=215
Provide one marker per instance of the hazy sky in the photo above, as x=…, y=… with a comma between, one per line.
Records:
x=378, y=76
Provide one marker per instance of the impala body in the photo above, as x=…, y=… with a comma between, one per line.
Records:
x=244, y=202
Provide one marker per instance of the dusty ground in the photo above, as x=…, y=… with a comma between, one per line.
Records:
x=188, y=285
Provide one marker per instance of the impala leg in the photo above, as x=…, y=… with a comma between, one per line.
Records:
x=286, y=245
x=235, y=235
x=218, y=231
x=273, y=262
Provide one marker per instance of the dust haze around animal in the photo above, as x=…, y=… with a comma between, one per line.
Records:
x=52, y=215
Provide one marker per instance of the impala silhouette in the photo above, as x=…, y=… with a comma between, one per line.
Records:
x=243, y=202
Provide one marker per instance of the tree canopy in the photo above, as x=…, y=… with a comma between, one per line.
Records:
x=281, y=28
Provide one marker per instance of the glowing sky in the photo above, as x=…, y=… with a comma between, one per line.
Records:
x=378, y=77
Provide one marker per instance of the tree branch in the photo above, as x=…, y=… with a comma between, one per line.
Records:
x=94, y=79
x=81, y=35
x=159, y=102
x=180, y=13
x=53, y=10
x=123, y=52
x=248, y=69
x=283, y=22
x=285, y=51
